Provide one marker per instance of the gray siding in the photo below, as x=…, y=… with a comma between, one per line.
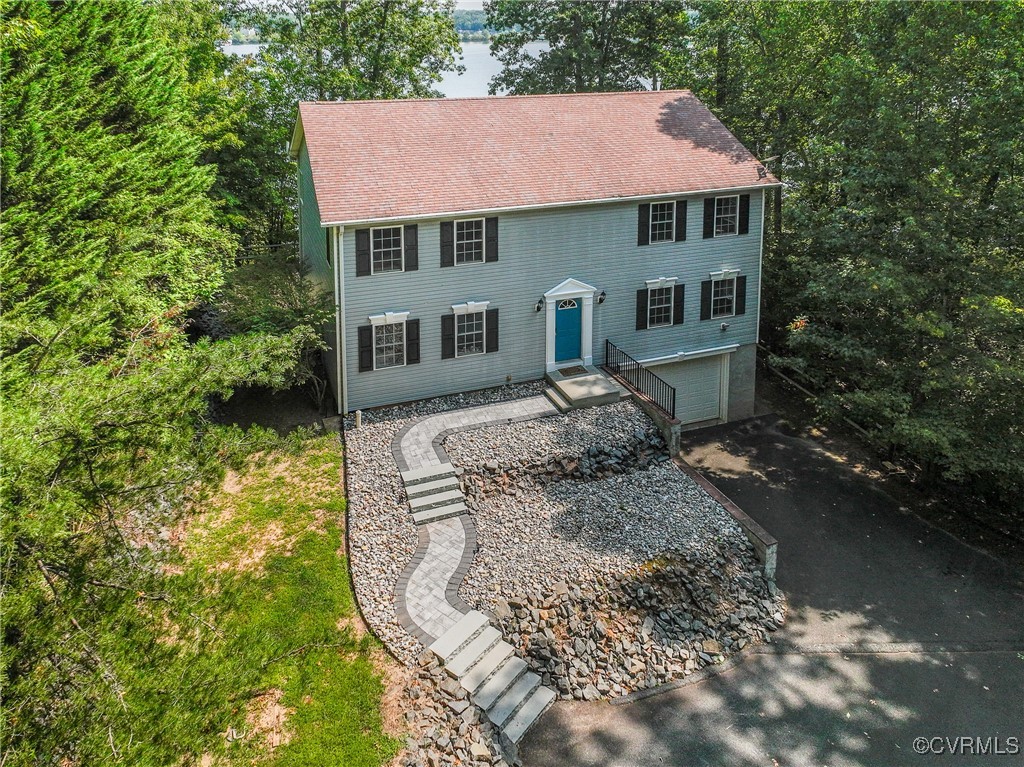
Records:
x=596, y=244
x=313, y=248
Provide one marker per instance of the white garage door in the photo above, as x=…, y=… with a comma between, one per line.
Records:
x=698, y=388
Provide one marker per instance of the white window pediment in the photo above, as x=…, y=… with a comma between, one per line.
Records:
x=662, y=282
x=470, y=307
x=388, y=318
x=724, y=274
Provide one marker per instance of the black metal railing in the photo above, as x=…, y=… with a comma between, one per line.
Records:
x=638, y=378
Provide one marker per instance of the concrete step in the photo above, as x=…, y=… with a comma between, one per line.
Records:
x=445, y=497
x=506, y=675
x=560, y=403
x=487, y=665
x=455, y=638
x=514, y=697
x=433, y=486
x=439, y=512
x=460, y=663
x=538, y=702
x=427, y=473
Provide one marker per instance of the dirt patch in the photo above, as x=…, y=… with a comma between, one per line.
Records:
x=267, y=719
x=353, y=625
x=271, y=539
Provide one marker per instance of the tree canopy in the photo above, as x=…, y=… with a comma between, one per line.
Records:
x=893, y=277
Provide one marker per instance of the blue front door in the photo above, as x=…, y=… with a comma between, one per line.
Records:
x=568, y=323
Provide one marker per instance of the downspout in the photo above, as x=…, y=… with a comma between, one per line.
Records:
x=760, y=263
x=339, y=316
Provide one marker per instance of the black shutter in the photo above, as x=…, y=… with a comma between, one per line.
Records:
x=641, y=309
x=412, y=247
x=491, y=341
x=447, y=243
x=744, y=213
x=643, y=225
x=741, y=295
x=705, y=300
x=365, y=348
x=709, y=217
x=327, y=250
x=362, y=252
x=412, y=342
x=491, y=239
x=447, y=336
x=680, y=220
x=677, y=304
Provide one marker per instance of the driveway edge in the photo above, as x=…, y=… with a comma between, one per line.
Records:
x=765, y=545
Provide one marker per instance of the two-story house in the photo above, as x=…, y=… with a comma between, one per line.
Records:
x=474, y=242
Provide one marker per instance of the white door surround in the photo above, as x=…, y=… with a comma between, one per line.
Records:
x=570, y=289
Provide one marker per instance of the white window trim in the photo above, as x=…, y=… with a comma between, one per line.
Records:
x=729, y=234
x=455, y=241
x=483, y=328
x=664, y=282
x=650, y=223
x=470, y=307
x=388, y=318
x=725, y=274
x=401, y=247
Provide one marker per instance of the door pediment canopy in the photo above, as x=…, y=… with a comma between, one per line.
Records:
x=570, y=288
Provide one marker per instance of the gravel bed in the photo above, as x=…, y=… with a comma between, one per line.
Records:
x=381, y=536
x=574, y=531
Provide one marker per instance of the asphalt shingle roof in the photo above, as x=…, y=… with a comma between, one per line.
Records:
x=376, y=160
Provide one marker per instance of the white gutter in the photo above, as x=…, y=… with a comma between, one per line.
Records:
x=568, y=204
x=682, y=356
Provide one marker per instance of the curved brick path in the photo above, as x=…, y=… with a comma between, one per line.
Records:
x=427, y=593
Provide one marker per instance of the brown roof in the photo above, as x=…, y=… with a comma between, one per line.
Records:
x=419, y=157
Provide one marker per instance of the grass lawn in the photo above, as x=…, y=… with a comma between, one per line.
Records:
x=289, y=676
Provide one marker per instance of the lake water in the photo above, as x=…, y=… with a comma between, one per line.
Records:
x=480, y=68
x=476, y=58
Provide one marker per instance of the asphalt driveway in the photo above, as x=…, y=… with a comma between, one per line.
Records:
x=896, y=632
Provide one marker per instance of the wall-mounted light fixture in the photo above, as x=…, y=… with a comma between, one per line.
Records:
x=601, y=297
x=539, y=305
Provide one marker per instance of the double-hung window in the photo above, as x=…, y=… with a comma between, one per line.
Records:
x=469, y=241
x=389, y=345
x=386, y=249
x=723, y=296
x=469, y=333
x=727, y=214
x=663, y=216
x=659, y=306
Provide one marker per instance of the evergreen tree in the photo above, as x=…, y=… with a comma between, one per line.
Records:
x=109, y=235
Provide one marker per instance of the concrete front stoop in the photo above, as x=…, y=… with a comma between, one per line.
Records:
x=582, y=386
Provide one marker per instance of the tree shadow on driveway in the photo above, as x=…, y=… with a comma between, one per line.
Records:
x=895, y=631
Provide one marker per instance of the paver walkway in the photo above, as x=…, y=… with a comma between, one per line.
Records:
x=427, y=599
x=418, y=445
x=428, y=603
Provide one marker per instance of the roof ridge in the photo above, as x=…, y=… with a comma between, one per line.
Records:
x=515, y=97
